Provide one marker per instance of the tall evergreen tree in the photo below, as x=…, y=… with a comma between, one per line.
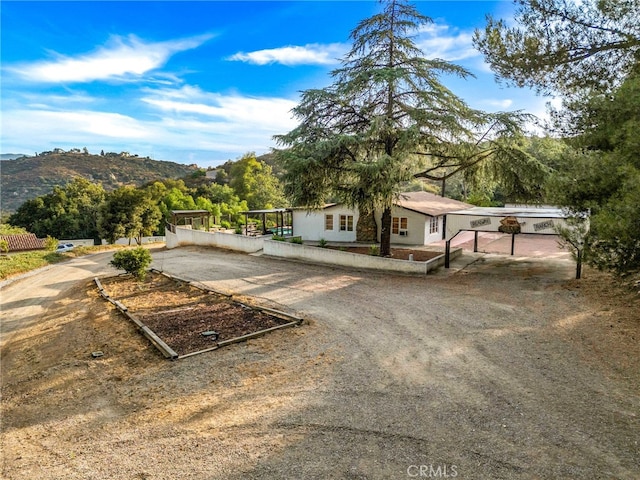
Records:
x=385, y=119
x=603, y=175
x=564, y=46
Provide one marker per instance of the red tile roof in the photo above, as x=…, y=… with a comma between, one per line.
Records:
x=27, y=241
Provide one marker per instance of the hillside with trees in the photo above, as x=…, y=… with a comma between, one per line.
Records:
x=85, y=209
x=29, y=177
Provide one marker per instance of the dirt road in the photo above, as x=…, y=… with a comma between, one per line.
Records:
x=498, y=368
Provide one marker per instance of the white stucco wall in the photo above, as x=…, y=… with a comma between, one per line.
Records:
x=532, y=220
x=353, y=260
x=240, y=243
x=415, y=227
x=310, y=224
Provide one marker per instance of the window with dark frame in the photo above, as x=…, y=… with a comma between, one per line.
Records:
x=346, y=223
x=328, y=221
x=399, y=224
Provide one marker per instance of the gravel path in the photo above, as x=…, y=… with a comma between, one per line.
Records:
x=497, y=368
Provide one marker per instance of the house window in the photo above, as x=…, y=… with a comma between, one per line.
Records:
x=399, y=226
x=346, y=223
x=328, y=221
x=433, y=225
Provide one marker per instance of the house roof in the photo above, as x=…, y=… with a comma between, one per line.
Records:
x=421, y=202
x=22, y=242
x=429, y=203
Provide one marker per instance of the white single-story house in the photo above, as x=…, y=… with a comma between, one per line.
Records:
x=417, y=218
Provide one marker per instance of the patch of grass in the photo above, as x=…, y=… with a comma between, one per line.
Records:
x=18, y=263
x=27, y=261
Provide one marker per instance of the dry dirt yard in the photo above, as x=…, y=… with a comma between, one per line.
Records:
x=498, y=368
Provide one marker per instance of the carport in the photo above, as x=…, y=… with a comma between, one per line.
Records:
x=509, y=220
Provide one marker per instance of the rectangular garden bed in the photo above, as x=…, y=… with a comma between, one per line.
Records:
x=188, y=319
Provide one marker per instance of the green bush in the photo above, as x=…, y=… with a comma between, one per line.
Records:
x=374, y=250
x=50, y=244
x=297, y=240
x=135, y=261
x=6, y=229
x=322, y=243
x=278, y=238
x=225, y=224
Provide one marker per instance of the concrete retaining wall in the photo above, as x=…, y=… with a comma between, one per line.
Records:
x=348, y=259
x=231, y=241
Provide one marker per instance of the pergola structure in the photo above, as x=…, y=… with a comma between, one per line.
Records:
x=283, y=219
x=511, y=220
x=194, y=218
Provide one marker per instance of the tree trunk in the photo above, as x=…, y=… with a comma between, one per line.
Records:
x=385, y=233
x=367, y=229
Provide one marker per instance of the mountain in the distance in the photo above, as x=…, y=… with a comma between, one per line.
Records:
x=11, y=156
x=29, y=177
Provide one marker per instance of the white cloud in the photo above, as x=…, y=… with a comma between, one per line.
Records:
x=176, y=124
x=67, y=125
x=312, y=54
x=447, y=43
x=243, y=113
x=121, y=58
x=498, y=103
x=435, y=40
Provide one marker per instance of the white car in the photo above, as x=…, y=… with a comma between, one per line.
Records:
x=64, y=247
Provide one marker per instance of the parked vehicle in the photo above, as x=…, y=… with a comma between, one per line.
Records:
x=64, y=247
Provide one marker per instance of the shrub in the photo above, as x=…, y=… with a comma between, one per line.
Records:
x=50, y=243
x=239, y=230
x=322, y=243
x=277, y=238
x=134, y=261
x=4, y=246
x=225, y=224
x=374, y=250
x=297, y=240
x=6, y=229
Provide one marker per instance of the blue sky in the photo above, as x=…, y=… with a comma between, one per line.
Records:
x=200, y=82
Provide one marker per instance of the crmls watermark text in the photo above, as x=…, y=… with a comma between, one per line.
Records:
x=432, y=471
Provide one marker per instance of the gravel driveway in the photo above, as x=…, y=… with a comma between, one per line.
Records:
x=497, y=368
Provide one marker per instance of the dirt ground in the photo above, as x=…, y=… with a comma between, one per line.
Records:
x=500, y=367
x=186, y=318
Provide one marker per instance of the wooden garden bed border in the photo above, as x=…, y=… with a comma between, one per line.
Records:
x=166, y=350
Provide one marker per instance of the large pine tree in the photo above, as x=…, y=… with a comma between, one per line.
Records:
x=385, y=119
